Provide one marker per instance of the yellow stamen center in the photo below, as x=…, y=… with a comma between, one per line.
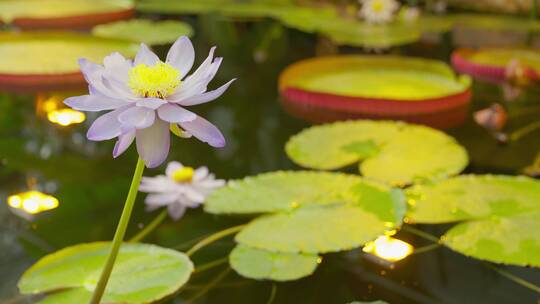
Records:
x=183, y=175
x=158, y=81
x=377, y=6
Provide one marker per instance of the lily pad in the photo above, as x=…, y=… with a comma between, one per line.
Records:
x=314, y=229
x=493, y=22
x=407, y=153
x=286, y=191
x=63, y=14
x=143, y=30
x=499, y=215
x=75, y=271
x=48, y=60
x=261, y=264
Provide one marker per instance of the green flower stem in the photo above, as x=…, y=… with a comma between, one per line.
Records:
x=519, y=133
x=150, y=227
x=210, y=265
x=214, y=237
x=119, y=234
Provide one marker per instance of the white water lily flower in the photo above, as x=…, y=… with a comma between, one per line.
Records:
x=378, y=11
x=180, y=188
x=147, y=98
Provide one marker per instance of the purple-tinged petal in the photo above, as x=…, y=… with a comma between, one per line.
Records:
x=91, y=71
x=146, y=56
x=94, y=103
x=151, y=103
x=206, y=97
x=137, y=117
x=174, y=114
x=118, y=67
x=181, y=55
x=205, y=131
x=123, y=142
x=107, y=126
x=161, y=199
x=153, y=143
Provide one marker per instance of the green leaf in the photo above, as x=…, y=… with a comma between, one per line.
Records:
x=407, y=153
x=142, y=30
x=314, y=229
x=55, y=53
x=499, y=215
x=285, y=191
x=11, y=9
x=261, y=264
x=496, y=22
x=142, y=273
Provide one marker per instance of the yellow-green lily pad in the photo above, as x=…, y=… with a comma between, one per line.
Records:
x=314, y=229
x=286, y=191
x=405, y=153
x=265, y=265
x=499, y=216
x=143, y=30
x=142, y=274
x=48, y=53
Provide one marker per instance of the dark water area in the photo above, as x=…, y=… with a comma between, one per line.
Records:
x=91, y=185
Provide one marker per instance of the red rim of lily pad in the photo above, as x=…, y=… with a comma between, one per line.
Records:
x=442, y=112
x=41, y=82
x=461, y=61
x=86, y=21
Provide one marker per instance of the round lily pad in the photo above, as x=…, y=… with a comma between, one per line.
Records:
x=37, y=61
x=143, y=30
x=499, y=216
x=286, y=191
x=261, y=264
x=75, y=271
x=40, y=14
x=314, y=229
x=393, y=152
x=377, y=86
x=490, y=64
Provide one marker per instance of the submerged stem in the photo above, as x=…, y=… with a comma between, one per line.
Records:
x=519, y=133
x=214, y=237
x=150, y=227
x=514, y=278
x=119, y=234
x=421, y=233
x=210, y=285
x=272, y=294
x=210, y=265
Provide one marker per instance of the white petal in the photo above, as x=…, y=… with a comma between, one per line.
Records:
x=175, y=114
x=205, y=131
x=161, y=199
x=153, y=143
x=172, y=167
x=200, y=174
x=159, y=183
x=176, y=211
x=107, y=126
x=193, y=195
x=206, y=97
x=94, y=103
x=181, y=55
x=146, y=56
x=137, y=117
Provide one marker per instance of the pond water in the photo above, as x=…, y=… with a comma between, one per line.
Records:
x=91, y=186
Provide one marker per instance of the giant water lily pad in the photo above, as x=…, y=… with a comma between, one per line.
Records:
x=47, y=60
x=63, y=14
x=142, y=30
x=490, y=63
x=142, y=274
x=315, y=229
x=392, y=152
x=499, y=216
x=261, y=264
x=392, y=87
x=286, y=191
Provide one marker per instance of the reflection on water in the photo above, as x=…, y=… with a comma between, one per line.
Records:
x=91, y=186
